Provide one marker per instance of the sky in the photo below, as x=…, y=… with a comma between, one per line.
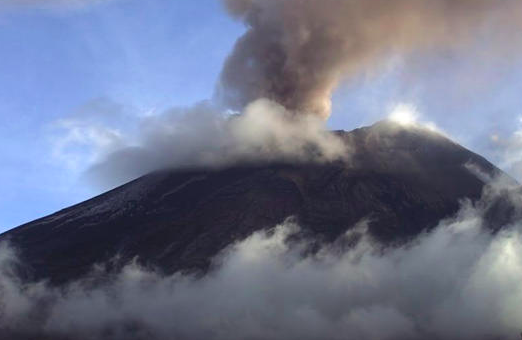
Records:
x=75, y=78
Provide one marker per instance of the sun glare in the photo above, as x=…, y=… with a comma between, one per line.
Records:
x=404, y=114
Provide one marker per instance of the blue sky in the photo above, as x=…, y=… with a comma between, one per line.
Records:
x=113, y=60
x=57, y=61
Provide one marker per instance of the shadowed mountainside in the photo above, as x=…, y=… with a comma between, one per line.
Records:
x=403, y=180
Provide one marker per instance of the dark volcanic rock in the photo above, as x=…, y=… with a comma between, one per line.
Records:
x=403, y=180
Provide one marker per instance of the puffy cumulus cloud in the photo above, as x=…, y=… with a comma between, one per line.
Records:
x=203, y=136
x=295, y=52
x=458, y=281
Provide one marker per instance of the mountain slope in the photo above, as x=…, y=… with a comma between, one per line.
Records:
x=403, y=180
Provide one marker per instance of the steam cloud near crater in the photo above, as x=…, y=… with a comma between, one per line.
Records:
x=456, y=282
x=295, y=52
x=202, y=136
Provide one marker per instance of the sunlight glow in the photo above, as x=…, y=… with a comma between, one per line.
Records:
x=404, y=114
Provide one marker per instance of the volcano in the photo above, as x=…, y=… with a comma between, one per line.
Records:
x=402, y=180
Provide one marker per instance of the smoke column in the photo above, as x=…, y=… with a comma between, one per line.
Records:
x=295, y=52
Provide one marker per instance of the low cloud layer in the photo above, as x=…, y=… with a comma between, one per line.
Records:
x=203, y=136
x=295, y=52
x=457, y=282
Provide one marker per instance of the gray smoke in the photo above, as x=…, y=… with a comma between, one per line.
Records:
x=457, y=282
x=295, y=52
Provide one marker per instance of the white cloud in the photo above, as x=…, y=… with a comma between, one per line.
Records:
x=90, y=133
x=78, y=144
x=111, y=144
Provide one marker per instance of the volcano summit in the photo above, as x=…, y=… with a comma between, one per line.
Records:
x=400, y=181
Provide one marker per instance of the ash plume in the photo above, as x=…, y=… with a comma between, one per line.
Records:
x=280, y=77
x=295, y=52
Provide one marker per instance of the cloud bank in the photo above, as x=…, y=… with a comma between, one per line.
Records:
x=295, y=52
x=457, y=282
